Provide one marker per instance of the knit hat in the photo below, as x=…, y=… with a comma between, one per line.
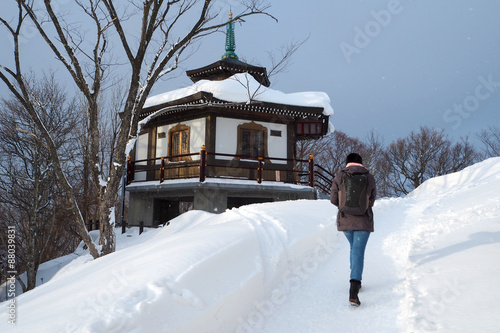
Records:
x=354, y=158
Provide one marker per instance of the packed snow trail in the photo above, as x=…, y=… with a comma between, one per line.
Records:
x=321, y=303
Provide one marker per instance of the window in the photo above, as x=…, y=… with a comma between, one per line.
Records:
x=179, y=141
x=252, y=140
x=309, y=128
x=275, y=133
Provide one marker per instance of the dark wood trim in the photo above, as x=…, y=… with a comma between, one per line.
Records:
x=213, y=113
x=210, y=131
x=210, y=137
x=199, y=97
x=151, y=149
x=291, y=148
x=259, y=108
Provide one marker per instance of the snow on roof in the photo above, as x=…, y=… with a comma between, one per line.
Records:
x=241, y=88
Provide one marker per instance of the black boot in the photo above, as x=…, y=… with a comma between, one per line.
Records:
x=353, y=292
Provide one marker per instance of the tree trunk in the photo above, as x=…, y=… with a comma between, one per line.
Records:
x=151, y=52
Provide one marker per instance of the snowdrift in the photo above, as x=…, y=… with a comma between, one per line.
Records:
x=431, y=265
x=454, y=258
x=199, y=274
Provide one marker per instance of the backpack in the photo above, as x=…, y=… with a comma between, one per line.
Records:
x=353, y=196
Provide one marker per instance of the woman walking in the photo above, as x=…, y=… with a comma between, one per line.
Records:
x=355, y=222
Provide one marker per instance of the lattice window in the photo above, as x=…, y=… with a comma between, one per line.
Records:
x=179, y=141
x=252, y=140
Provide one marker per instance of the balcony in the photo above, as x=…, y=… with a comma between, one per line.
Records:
x=209, y=165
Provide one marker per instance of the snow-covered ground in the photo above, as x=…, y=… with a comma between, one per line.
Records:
x=432, y=265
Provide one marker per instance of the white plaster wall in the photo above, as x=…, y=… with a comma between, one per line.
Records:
x=141, y=153
x=227, y=137
x=196, y=140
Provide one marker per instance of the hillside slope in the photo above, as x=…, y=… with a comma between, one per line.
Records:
x=431, y=265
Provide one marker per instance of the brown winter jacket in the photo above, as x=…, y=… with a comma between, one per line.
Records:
x=353, y=222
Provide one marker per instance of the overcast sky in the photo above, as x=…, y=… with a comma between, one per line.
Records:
x=390, y=65
x=387, y=65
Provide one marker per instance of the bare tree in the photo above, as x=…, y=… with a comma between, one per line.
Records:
x=4, y=227
x=335, y=148
x=373, y=159
x=110, y=107
x=414, y=159
x=28, y=186
x=331, y=151
x=491, y=141
x=279, y=64
x=403, y=165
x=152, y=49
x=14, y=79
x=454, y=157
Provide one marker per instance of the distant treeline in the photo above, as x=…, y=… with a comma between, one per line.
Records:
x=405, y=163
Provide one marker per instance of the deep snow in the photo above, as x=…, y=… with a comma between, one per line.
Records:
x=241, y=88
x=432, y=265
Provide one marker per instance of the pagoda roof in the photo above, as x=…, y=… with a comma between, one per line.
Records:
x=229, y=64
x=203, y=100
x=242, y=88
x=223, y=69
x=237, y=96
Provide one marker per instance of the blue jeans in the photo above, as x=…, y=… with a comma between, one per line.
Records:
x=357, y=239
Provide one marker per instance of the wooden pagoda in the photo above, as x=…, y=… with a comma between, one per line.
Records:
x=203, y=150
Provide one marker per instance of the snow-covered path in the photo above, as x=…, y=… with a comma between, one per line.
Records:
x=321, y=303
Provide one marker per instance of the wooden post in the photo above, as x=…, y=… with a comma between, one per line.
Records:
x=203, y=156
x=162, y=170
x=124, y=226
x=311, y=170
x=259, y=170
x=141, y=227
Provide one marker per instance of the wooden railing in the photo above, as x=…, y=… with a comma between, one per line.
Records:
x=205, y=165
